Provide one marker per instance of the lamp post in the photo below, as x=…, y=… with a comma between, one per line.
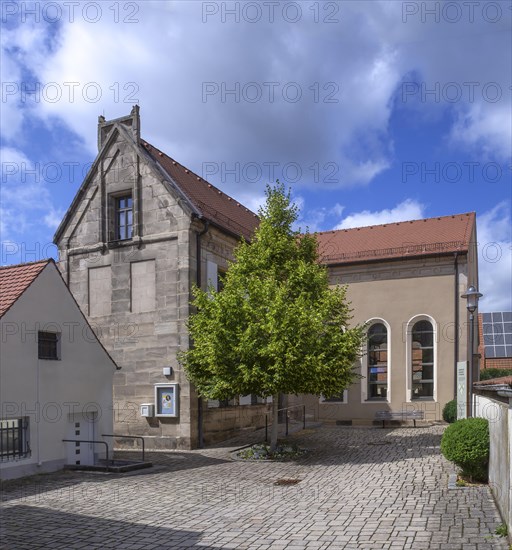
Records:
x=472, y=296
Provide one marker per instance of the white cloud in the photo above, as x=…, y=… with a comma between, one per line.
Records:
x=494, y=235
x=486, y=130
x=164, y=60
x=26, y=202
x=316, y=219
x=409, y=209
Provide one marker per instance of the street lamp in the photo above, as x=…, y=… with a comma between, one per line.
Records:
x=472, y=296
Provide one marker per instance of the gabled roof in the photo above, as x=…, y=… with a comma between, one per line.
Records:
x=15, y=279
x=213, y=203
x=426, y=237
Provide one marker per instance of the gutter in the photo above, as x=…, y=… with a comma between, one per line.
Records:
x=200, y=439
x=456, y=321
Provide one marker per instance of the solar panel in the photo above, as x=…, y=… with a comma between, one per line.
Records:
x=497, y=334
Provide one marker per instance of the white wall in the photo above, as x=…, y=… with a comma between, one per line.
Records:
x=48, y=391
x=499, y=416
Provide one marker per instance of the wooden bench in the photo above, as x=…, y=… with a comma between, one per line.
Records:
x=402, y=415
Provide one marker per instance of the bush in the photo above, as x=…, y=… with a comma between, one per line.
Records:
x=450, y=411
x=466, y=443
x=487, y=374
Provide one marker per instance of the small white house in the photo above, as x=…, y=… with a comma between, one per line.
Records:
x=55, y=375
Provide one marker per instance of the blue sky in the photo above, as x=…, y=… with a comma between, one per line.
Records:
x=371, y=111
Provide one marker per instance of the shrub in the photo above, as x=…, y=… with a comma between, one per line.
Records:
x=450, y=411
x=487, y=374
x=466, y=443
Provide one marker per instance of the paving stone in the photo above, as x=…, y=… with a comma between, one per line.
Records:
x=355, y=494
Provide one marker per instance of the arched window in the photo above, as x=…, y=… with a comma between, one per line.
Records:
x=422, y=360
x=377, y=361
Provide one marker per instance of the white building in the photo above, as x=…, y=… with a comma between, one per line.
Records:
x=55, y=376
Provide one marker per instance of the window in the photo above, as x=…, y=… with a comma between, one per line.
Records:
x=422, y=359
x=14, y=439
x=377, y=361
x=48, y=345
x=221, y=274
x=340, y=398
x=124, y=217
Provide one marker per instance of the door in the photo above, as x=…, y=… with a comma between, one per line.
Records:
x=81, y=426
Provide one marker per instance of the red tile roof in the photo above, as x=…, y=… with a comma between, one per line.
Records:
x=15, y=279
x=214, y=204
x=425, y=237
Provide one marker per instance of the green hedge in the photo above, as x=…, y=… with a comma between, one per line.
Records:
x=487, y=374
x=466, y=443
x=450, y=411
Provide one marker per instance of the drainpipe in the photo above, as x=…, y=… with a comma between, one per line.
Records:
x=198, y=283
x=456, y=319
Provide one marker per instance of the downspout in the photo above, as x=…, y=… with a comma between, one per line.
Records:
x=200, y=441
x=456, y=319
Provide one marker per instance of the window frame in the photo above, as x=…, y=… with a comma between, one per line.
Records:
x=55, y=343
x=365, y=399
x=369, y=382
x=122, y=210
x=409, y=359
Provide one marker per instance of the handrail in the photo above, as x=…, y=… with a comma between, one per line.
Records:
x=286, y=418
x=129, y=437
x=89, y=441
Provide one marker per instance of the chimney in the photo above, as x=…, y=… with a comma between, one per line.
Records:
x=130, y=123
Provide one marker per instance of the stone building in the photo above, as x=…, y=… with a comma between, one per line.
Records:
x=142, y=229
x=405, y=281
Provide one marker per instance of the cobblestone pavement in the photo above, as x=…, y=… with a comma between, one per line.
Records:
x=360, y=488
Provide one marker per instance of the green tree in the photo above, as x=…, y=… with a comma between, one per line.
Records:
x=276, y=326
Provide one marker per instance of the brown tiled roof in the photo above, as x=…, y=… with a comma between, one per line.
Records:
x=425, y=237
x=506, y=380
x=213, y=203
x=15, y=279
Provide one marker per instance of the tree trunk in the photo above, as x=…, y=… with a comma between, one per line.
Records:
x=275, y=423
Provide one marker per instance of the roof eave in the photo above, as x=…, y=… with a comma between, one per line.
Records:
x=391, y=259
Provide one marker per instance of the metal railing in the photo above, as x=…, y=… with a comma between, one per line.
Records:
x=129, y=437
x=13, y=439
x=286, y=418
x=91, y=441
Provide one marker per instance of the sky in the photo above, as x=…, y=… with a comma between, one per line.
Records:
x=371, y=112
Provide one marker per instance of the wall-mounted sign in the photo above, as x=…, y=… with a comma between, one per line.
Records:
x=166, y=400
x=462, y=388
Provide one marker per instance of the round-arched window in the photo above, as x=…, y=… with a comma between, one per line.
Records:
x=422, y=358
x=377, y=361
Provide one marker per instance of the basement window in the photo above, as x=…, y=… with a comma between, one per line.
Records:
x=14, y=439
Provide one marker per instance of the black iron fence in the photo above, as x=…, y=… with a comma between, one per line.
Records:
x=14, y=441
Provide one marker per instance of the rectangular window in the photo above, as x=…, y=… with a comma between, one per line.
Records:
x=14, y=439
x=340, y=398
x=124, y=217
x=48, y=345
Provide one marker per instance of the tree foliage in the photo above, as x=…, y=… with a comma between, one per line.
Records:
x=276, y=326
